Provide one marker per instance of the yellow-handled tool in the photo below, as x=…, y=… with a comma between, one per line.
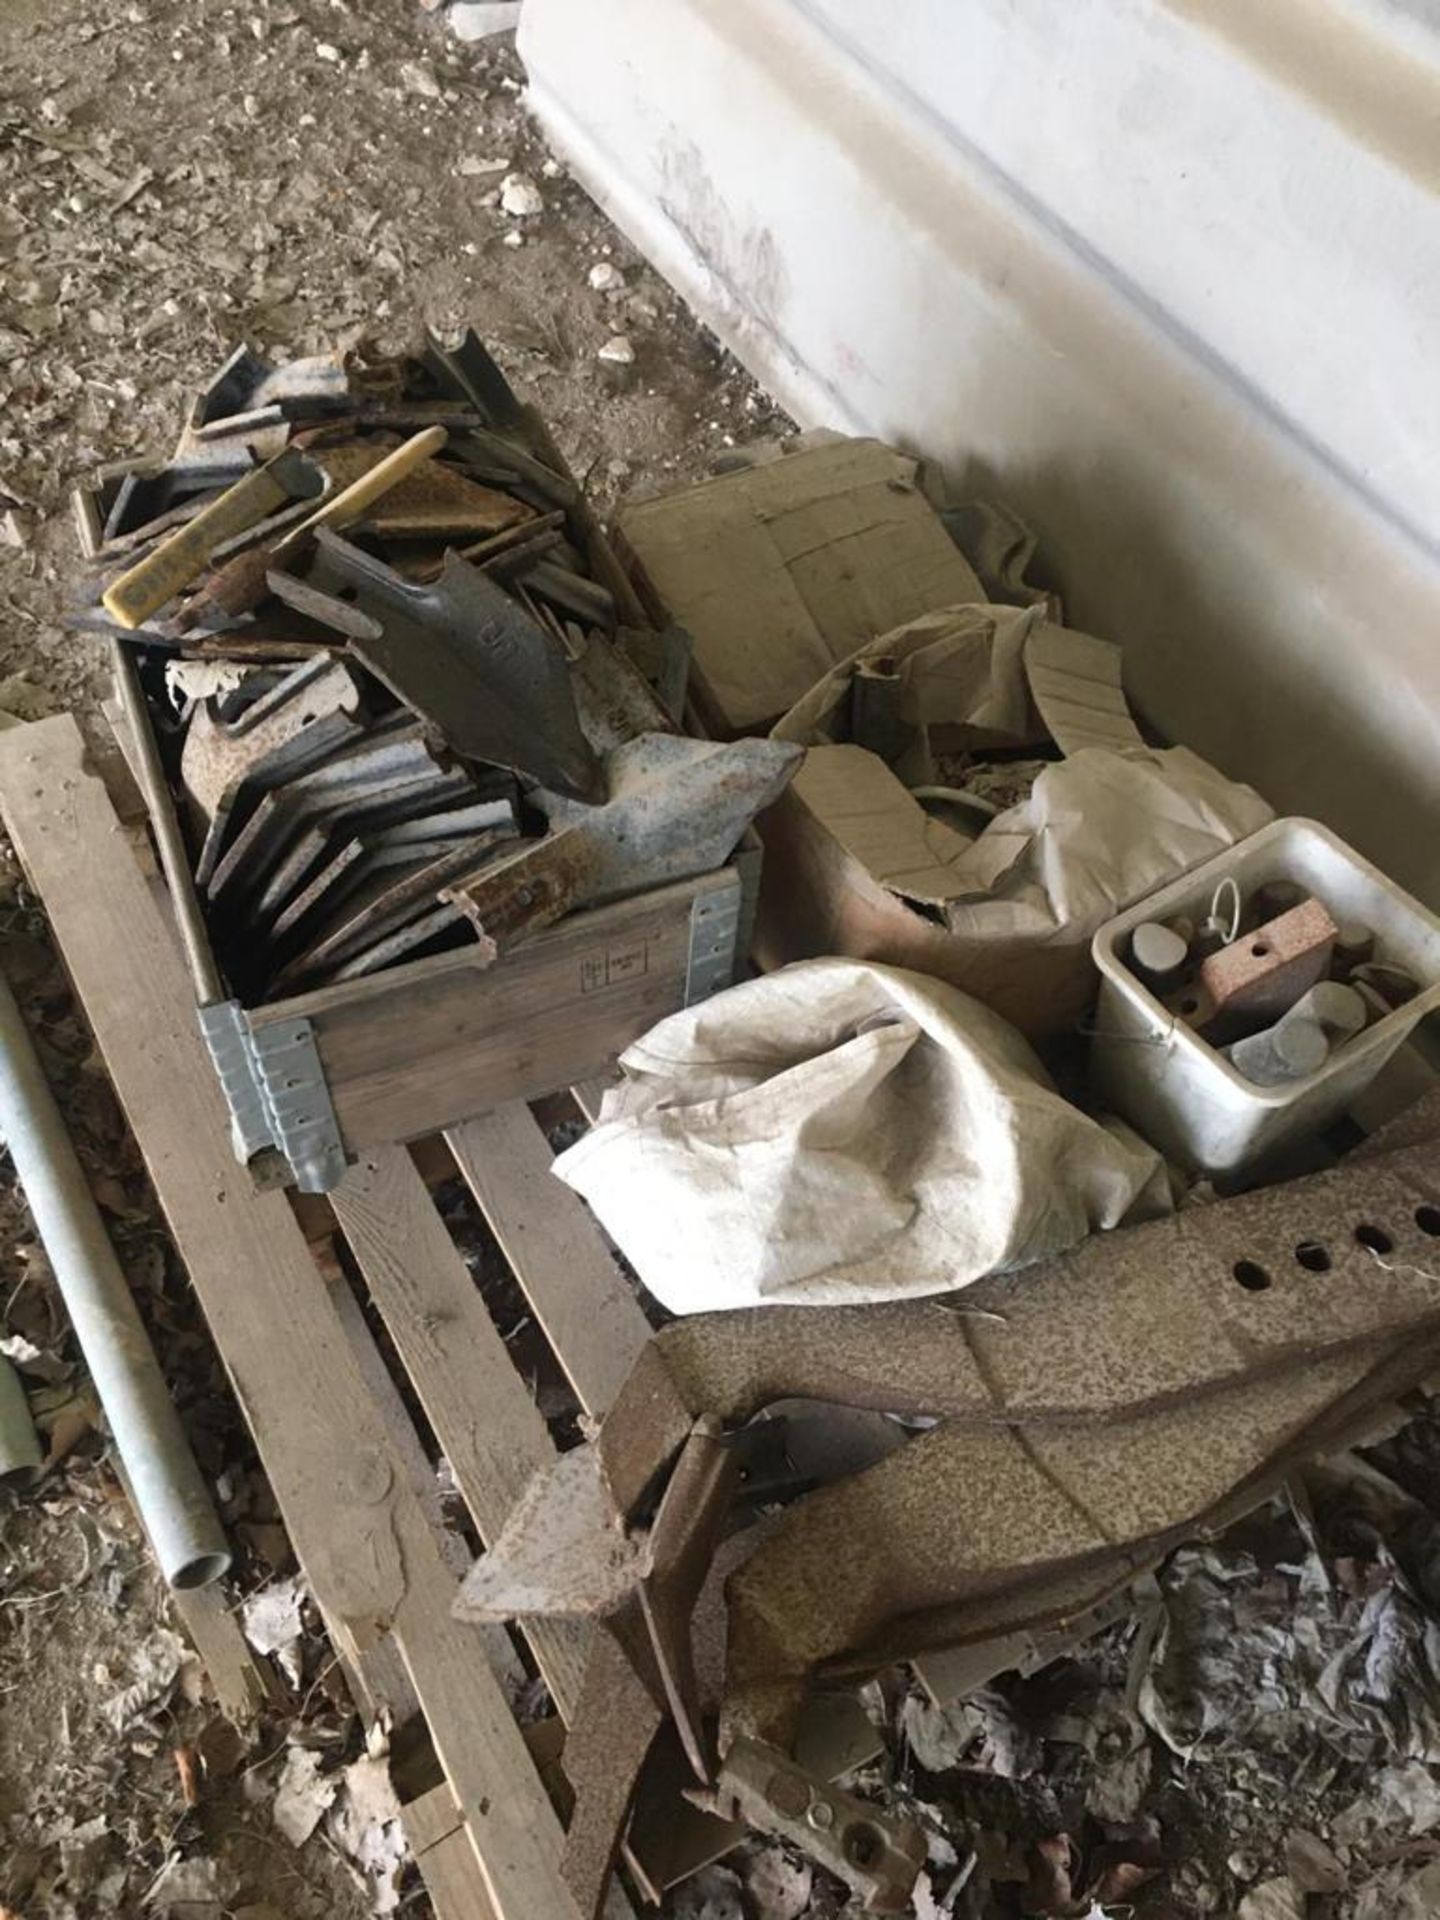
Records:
x=242, y=584
x=351, y=501
x=146, y=587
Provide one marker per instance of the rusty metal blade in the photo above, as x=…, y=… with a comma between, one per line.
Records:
x=349, y=856
x=312, y=710
x=392, y=903
x=376, y=760
x=676, y=807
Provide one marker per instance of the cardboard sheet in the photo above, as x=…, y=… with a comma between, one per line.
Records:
x=783, y=569
x=875, y=822
x=1075, y=681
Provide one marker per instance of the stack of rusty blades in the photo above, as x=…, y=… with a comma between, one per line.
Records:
x=354, y=595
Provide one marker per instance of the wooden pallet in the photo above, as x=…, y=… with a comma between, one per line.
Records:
x=347, y=1462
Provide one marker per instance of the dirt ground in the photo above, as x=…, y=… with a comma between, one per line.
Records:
x=179, y=177
x=1259, y=1739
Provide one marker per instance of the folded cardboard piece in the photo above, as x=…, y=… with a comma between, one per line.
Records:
x=783, y=569
x=827, y=599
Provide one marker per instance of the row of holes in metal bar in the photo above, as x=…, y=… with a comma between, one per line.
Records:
x=1315, y=1257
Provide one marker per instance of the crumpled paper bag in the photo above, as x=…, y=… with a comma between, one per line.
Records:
x=958, y=667
x=839, y=1132
x=1099, y=831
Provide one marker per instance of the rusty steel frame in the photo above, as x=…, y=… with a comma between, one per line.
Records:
x=1090, y=1415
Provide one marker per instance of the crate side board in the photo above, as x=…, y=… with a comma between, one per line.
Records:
x=424, y=1047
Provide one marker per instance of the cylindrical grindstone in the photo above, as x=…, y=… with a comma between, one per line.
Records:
x=1273, y=898
x=1393, y=984
x=1354, y=945
x=1338, y=1010
x=1377, y=1007
x=1287, y=1051
x=1157, y=953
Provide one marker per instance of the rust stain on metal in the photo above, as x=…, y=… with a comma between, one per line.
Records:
x=532, y=889
x=877, y=1856
x=313, y=709
x=434, y=501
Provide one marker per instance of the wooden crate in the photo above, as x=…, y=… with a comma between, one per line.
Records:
x=347, y=1462
x=421, y=1045
x=410, y=1050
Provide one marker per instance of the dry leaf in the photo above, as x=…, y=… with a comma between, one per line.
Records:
x=156, y=1666
x=271, y=1619
x=184, y=1883
x=712, y=1894
x=1312, y=1865
x=68, y=1426
x=367, y=1825
x=1118, y=1882
x=1273, y=1900
x=221, y=1747
x=779, y=1886
x=187, y=1765
x=302, y=1796
x=1051, y=1888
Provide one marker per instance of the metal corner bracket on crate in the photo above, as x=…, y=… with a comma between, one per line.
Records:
x=714, y=937
x=275, y=1089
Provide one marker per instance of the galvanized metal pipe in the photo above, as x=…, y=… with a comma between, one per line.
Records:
x=170, y=1495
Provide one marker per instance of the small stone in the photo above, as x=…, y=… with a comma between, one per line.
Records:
x=617, y=351
x=1313, y=1866
x=417, y=78
x=475, y=166
x=551, y=169
x=479, y=19
x=325, y=51
x=514, y=238
x=520, y=197
x=604, y=277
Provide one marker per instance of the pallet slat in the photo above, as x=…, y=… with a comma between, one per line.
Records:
x=489, y=1427
x=582, y=1300
x=357, y=1526
x=376, y=1673
x=437, y=1836
x=423, y=1045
